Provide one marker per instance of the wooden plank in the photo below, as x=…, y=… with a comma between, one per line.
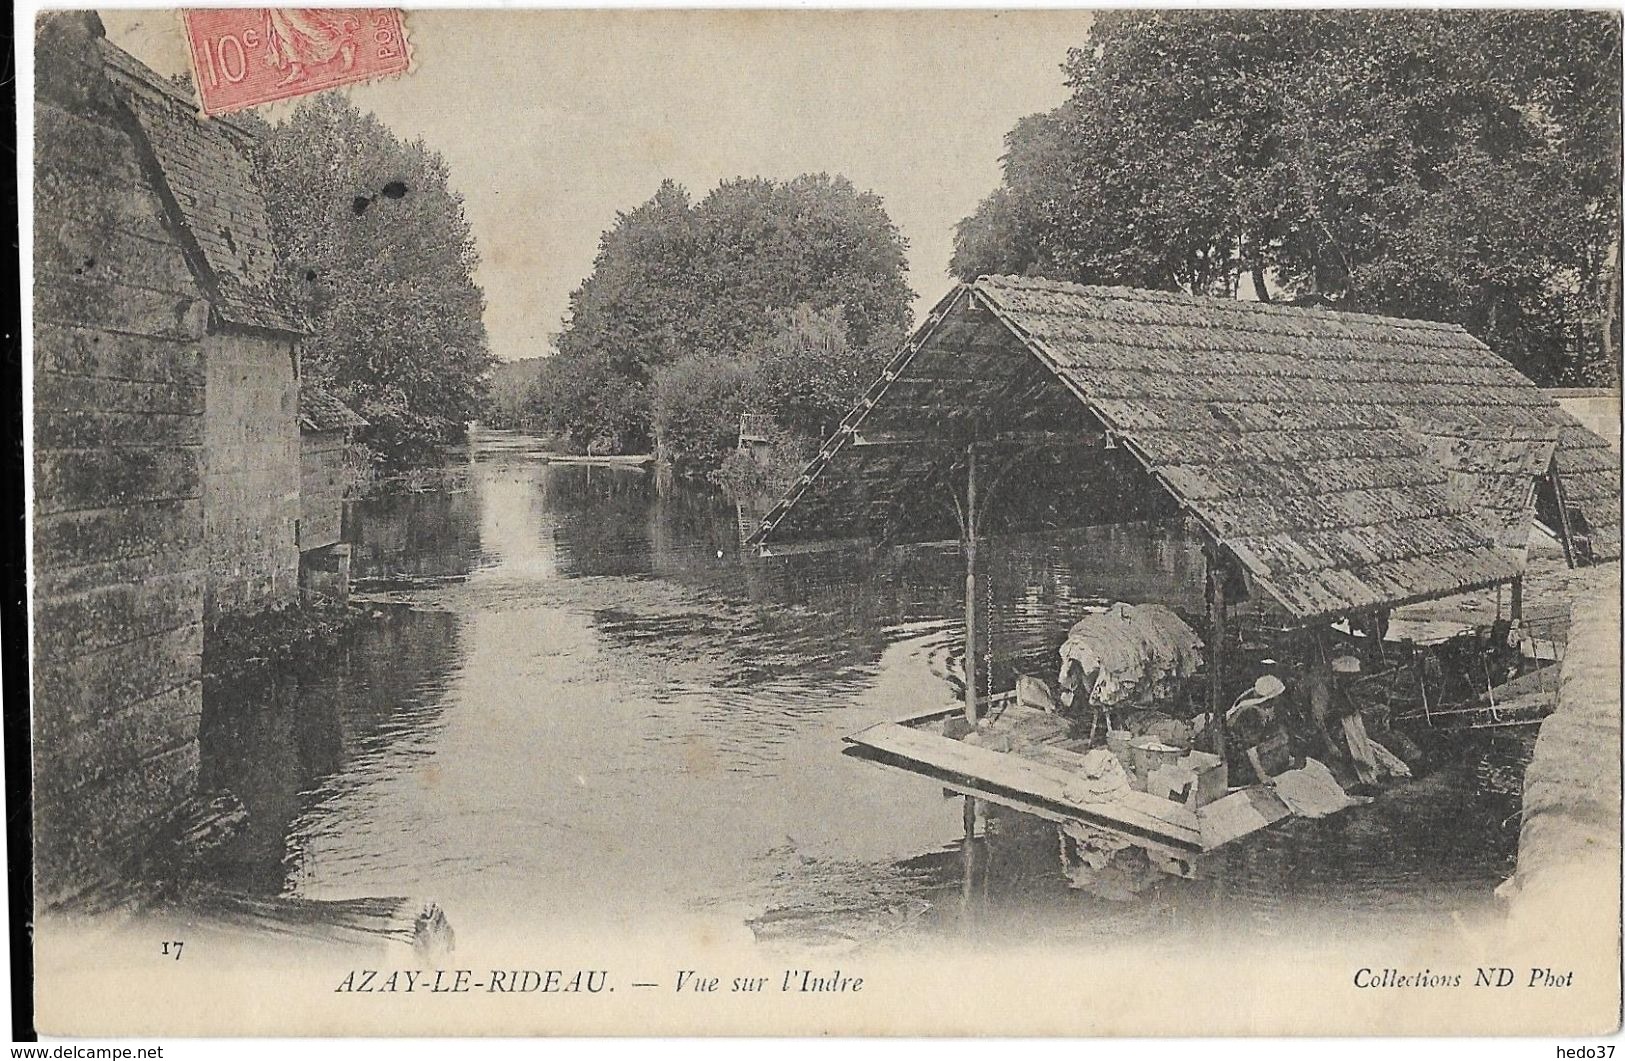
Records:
x=113, y=615
x=86, y=685
x=1000, y=776
x=118, y=742
x=1239, y=814
x=380, y=923
x=127, y=207
x=82, y=144
x=92, y=428
x=1014, y=800
x=84, y=833
x=935, y=714
x=64, y=393
x=65, y=581
x=95, y=535
x=1365, y=761
x=80, y=248
x=821, y=545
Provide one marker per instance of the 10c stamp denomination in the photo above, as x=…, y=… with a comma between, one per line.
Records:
x=243, y=57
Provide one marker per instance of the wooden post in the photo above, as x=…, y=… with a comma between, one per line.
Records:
x=970, y=817
x=1216, y=634
x=1564, y=528
x=1517, y=599
x=970, y=584
x=1365, y=761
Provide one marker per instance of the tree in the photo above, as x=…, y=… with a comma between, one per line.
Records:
x=678, y=280
x=808, y=372
x=1454, y=165
x=379, y=243
x=584, y=398
x=510, y=392
x=696, y=402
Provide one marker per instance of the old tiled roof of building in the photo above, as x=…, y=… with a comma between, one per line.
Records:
x=320, y=410
x=212, y=190
x=1346, y=461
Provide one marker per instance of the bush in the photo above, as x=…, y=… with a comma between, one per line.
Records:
x=809, y=372
x=696, y=402
x=745, y=477
x=591, y=407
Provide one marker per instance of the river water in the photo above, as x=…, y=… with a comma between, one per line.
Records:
x=575, y=695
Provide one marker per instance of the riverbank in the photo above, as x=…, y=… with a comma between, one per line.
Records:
x=1565, y=894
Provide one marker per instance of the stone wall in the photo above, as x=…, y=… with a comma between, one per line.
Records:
x=1597, y=409
x=118, y=519
x=321, y=489
x=251, y=472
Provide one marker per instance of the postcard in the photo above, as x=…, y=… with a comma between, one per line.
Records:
x=824, y=522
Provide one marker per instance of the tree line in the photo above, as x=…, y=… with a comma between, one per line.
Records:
x=775, y=296
x=381, y=256
x=1461, y=166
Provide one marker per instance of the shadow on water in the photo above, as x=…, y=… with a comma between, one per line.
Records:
x=284, y=742
x=576, y=693
x=414, y=534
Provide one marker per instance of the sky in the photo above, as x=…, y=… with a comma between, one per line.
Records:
x=552, y=121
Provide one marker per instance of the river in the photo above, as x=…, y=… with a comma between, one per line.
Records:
x=576, y=695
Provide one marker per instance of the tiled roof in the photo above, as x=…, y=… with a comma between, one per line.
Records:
x=319, y=410
x=1347, y=461
x=206, y=168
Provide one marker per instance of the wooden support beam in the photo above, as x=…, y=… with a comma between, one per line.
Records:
x=1216, y=637
x=1355, y=743
x=968, y=524
x=1565, y=529
x=1517, y=599
x=1002, y=439
x=1320, y=685
x=1365, y=761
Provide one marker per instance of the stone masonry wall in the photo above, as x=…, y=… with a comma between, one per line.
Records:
x=118, y=523
x=321, y=489
x=251, y=472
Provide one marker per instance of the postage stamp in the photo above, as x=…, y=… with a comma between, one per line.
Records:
x=244, y=57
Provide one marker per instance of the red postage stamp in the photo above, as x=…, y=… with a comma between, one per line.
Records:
x=245, y=56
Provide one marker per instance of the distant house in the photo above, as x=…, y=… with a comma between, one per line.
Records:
x=165, y=445
x=327, y=427
x=756, y=436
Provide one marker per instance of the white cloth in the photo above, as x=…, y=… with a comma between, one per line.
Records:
x=1312, y=792
x=1101, y=778
x=1129, y=654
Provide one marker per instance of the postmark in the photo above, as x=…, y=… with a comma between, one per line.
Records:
x=245, y=57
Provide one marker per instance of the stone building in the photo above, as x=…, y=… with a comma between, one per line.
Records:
x=327, y=427
x=166, y=465
x=251, y=351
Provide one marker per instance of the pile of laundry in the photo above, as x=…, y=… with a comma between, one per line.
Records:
x=1135, y=654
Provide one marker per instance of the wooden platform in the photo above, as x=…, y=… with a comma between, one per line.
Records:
x=1037, y=780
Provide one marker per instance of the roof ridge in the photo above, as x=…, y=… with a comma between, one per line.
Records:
x=203, y=171
x=1140, y=294
x=147, y=78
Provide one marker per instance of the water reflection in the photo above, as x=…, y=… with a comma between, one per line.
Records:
x=424, y=533
x=285, y=742
x=583, y=699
